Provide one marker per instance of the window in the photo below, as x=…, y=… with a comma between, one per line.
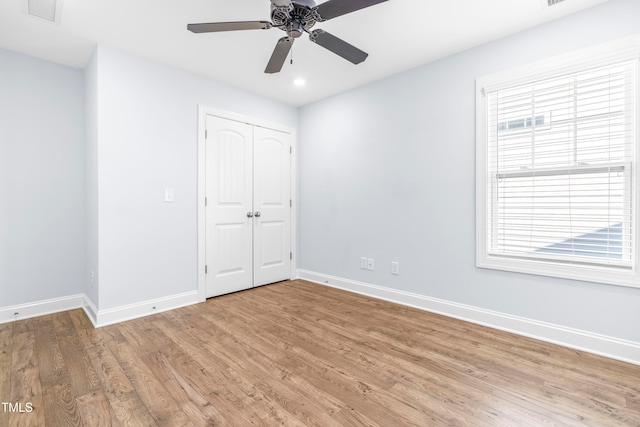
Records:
x=556, y=159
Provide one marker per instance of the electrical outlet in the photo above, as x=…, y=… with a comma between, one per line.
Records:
x=363, y=263
x=395, y=267
x=370, y=265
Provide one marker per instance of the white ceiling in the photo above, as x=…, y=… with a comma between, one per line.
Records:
x=397, y=34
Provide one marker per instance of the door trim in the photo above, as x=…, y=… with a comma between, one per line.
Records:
x=203, y=112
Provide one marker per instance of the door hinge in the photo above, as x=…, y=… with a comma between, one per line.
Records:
x=290, y=150
x=206, y=134
x=205, y=269
x=290, y=203
x=290, y=255
x=205, y=201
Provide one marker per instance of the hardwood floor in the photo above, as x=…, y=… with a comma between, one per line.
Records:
x=301, y=354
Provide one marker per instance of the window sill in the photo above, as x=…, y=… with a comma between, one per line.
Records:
x=588, y=273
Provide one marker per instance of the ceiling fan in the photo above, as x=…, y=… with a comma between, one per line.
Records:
x=296, y=17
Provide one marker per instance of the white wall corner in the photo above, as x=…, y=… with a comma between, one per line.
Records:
x=614, y=348
x=90, y=310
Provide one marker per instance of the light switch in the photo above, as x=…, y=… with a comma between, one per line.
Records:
x=363, y=263
x=168, y=194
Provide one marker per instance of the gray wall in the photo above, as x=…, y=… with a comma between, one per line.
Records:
x=146, y=142
x=41, y=180
x=84, y=160
x=387, y=171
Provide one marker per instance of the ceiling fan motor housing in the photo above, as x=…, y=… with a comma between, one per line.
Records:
x=296, y=18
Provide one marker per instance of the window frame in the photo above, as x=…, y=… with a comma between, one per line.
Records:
x=626, y=49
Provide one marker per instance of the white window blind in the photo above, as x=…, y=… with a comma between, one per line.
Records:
x=557, y=184
x=560, y=161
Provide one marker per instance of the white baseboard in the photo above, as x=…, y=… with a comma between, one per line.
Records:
x=40, y=308
x=98, y=317
x=90, y=310
x=144, y=308
x=614, y=348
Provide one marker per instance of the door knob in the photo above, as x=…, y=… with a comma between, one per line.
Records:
x=257, y=214
x=249, y=214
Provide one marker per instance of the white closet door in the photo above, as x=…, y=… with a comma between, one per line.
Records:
x=248, y=212
x=271, y=203
x=229, y=229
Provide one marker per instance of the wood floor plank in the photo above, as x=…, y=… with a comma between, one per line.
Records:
x=123, y=398
x=60, y=407
x=193, y=404
x=366, y=353
x=265, y=380
x=361, y=371
x=218, y=389
x=300, y=354
x=52, y=369
x=95, y=411
x=63, y=324
x=83, y=377
x=6, y=351
x=236, y=325
x=162, y=407
x=25, y=381
x=262, y=364
x=506, y=370
x=230, y=385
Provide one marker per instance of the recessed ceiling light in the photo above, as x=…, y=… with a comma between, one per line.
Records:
x=299, y=82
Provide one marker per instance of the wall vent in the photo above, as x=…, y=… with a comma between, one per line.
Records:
x=44, y=9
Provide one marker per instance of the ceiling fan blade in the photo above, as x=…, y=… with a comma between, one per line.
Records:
x=332, y=8
x=338, y=46
x=213, y=27
x=279, y=55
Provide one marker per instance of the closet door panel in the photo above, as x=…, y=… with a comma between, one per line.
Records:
x=229, y=247
x=271, y=202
